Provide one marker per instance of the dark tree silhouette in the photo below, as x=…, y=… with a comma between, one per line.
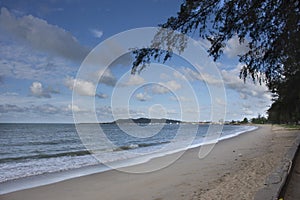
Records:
x=259, y=120
x=286, y=108
x=245, y=121
x=270, y=28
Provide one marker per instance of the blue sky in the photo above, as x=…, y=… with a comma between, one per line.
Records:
x=43, y=44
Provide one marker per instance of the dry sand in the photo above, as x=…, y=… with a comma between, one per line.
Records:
x=235, y=169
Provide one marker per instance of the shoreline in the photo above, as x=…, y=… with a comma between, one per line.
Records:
x=189, y=177
x=55, y=177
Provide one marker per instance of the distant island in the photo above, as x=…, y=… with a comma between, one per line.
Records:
x=144, y=121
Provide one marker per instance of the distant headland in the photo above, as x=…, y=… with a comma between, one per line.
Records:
x=145, y=121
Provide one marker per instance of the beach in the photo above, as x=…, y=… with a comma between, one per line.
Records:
x=236, y=168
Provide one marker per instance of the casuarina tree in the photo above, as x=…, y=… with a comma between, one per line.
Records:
x=270, y=28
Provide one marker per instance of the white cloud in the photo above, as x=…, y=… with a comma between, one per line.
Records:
x=104, y=113
x=245, y=90
x=134, y=80
x=247, y=111
x=46, y=108
x=248, y=92
x=180, y=99
x=42, y=36
x=142, y=96
x=8, y=108
x=96, y=33
x=234, y=47
x=106, y=77
x=243, y=96
x=81, y=87
x=102, y=96
x=164, y=76
x=37, y=90
x=157, y=111
x=124, y=60
x=20, y=62
x=249, y=98
x=10, y=94
x=17, y=112
x=158, y=89
x=220, y=102
x=252, y=94
x=204, y=43
x=166, y=87
x=192, y=75
x=42, y=109
x=179, y=75
x=74, y=108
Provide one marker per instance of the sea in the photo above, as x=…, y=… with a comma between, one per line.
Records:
x=28, y=150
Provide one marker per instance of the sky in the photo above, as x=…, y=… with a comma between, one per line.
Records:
x=44, y=45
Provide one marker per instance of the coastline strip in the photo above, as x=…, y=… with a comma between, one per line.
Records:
x=55, y=177
x=236, y=168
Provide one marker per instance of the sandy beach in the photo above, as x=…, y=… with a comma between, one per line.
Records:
x=236, y=168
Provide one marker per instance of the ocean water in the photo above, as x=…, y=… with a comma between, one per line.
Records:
x=33, y=149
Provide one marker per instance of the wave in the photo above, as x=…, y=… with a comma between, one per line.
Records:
x=126, y=147
x=41, y=156
x=249, y=128
x=140, y=145
x=78, y=153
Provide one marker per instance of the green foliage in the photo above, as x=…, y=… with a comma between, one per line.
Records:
x=286, y=108
x=270, y=28
x=245, y=121
x=259, y=120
